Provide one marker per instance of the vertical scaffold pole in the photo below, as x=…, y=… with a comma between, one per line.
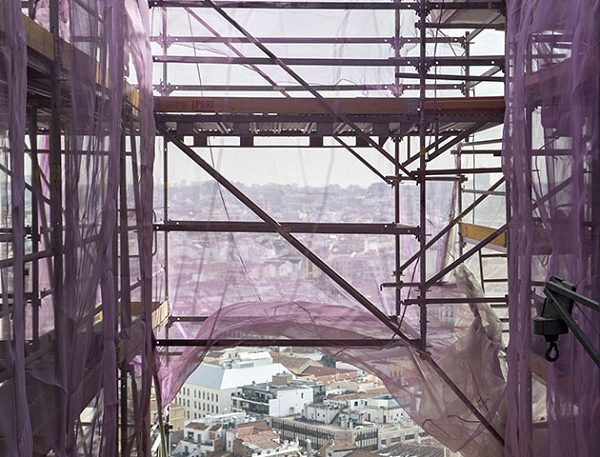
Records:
x=397, y=241
x=422, y=175
x=56, y=222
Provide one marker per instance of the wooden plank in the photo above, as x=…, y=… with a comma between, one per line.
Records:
x=475, y=233
x=466, y=104
x=41, y=42
x=263, y=105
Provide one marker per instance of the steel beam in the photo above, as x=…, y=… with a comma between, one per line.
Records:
x=463, y=171
x=277, y=342
x=324, y=5
x=456, y=301
x=422, y=173
x=442, y=61
x=463, y=25
x=296, y=88
x=292, y=227
x=302, y=40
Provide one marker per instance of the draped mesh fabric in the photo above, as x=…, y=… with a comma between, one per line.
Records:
x=59, y=388
x=65, y=398
x=551, y=155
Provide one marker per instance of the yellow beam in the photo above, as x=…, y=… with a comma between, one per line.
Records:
x=308, y=105
x=475, y=233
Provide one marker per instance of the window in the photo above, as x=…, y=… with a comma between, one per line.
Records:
x=203, y=395
x=217, y=409
x=216, y=397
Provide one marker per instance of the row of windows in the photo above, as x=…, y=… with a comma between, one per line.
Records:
x=205, y=395
x=205, y=407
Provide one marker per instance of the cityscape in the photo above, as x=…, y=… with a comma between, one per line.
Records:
x=280, y=403
x=207, y=270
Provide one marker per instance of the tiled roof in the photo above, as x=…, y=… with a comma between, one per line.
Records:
x=324, y=371
x=197, y=426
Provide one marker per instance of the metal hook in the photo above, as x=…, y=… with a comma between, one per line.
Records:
x=552, y=347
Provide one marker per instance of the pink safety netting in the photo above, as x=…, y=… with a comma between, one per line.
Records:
x=59, y=378
x=551, y=153
x=249, y=287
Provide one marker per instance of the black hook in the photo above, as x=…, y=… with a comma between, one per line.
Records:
x=552, y=347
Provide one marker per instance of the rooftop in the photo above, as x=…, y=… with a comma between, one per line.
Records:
x=220, y=378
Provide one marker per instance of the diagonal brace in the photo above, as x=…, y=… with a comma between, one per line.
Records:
x=274, y=85
x=452, y=223
x=323, y=266
x=284, y=233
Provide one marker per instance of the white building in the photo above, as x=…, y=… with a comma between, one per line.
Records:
x=208, y=390
x=321, y=412
x=385, y=410
x=290, y=400
x=282, y=397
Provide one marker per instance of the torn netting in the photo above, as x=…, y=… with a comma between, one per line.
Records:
x=551, y=154
x=249, y=285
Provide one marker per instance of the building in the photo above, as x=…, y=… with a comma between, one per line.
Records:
x=200, y=439
x=284, y=396
x=320, y=434
x=329, y=375
x=384, y=409
x=208, y=391
x=354, y=400
x=259, y=439
x=321, y=412
x=297, y=364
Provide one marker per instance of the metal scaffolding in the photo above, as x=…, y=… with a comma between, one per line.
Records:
x=437, y=125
